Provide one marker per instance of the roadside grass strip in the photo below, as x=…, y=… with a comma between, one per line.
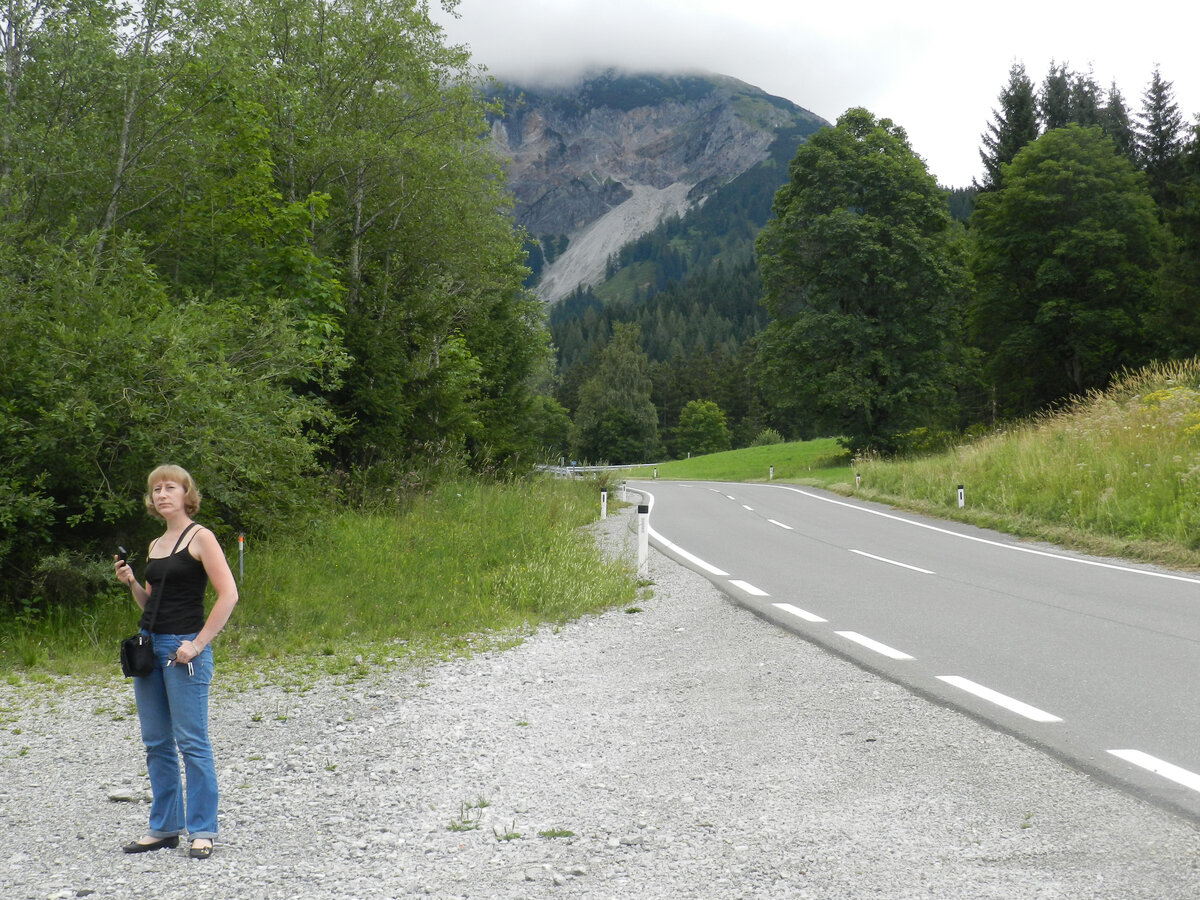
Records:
x=1159, y=767
x=984, y=693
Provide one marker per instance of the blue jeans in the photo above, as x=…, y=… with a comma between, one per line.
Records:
x=172, y=706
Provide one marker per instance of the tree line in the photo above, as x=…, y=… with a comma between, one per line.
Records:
x=265, y=240
x=901, y=315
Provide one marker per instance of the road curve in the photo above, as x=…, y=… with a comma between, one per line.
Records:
x=1095, y=660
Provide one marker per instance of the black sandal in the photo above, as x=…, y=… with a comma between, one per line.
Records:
x=195, y=852
x=159, y=844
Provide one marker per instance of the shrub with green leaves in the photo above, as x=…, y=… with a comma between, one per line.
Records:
x=106, y=375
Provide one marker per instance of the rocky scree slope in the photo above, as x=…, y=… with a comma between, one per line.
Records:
x=599, y=163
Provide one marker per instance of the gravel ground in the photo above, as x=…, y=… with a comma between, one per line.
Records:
x=685, y=750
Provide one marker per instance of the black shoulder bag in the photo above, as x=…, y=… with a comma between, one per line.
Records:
x=137, y=652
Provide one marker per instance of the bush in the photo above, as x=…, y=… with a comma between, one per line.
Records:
x=767, y=437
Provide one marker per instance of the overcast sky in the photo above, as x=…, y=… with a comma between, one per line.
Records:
x=934, y=67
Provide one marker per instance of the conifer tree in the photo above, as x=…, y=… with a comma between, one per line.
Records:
x=1054, y=101
x=1176, y=321
x=1114, y=121
x=1160, y=140
x=1085, y=100
x=1014, y=125
x=616, y=420
x=1065, y=260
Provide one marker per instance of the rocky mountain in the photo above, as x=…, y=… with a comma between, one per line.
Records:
x=598, y=163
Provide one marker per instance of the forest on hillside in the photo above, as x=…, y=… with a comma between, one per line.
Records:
x=262, y=240
x=1075, y=257
x=268, y=241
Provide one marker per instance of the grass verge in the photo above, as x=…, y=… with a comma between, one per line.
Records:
x=822, y=461
x=468, y=562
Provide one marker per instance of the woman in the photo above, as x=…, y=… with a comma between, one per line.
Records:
x=172, y=701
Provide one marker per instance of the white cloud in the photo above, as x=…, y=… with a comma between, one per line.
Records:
x=934, y=67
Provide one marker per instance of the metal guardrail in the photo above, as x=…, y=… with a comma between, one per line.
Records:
x=574, y=471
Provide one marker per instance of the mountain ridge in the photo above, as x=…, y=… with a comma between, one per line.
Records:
x=597, y=163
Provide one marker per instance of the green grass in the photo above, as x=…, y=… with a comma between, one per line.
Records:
x=822, y=461
x=469, y=563
x=1118, y=472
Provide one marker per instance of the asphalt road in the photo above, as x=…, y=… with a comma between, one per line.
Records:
x=1094, y=660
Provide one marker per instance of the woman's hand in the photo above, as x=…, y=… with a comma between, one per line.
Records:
x=124, y=572
x=186, y=652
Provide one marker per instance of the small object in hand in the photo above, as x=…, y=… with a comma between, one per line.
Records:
x=171, y=661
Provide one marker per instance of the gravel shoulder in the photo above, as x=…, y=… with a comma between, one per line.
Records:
x=688, y=749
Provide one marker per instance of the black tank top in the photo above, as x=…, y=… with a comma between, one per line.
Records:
x=181, y=604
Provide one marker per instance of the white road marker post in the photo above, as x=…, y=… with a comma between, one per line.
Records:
x=962, y=501
x=643, y=546
x=770, y=473
x=857, y=480
x=603, y=503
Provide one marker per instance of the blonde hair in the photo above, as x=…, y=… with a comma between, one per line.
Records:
x=178, y=474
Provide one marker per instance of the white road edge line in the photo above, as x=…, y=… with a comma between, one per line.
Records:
x=892, y=562
x=749, y=588
x=873, y=645
x=1158, y=767
x=984, y=693
x=781, y=525
x=675, y=548
x=800, y=613
x=747, y=508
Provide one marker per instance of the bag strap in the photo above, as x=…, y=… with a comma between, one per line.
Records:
x=162, y=584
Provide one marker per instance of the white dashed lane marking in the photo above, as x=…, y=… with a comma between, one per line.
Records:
x=749, y=588
x=892, y=562
x=1159, y=767
x=871, y=644
x=985, y=693
x=799, y=613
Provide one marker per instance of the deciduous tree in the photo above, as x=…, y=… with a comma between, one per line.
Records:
x=701, y=429
x=865, y=281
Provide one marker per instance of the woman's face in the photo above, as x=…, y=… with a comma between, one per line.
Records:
x=168, y=497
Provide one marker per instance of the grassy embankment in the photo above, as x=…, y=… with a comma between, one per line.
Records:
x=1116, y=473
x=822, y=462
x=470, y=564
